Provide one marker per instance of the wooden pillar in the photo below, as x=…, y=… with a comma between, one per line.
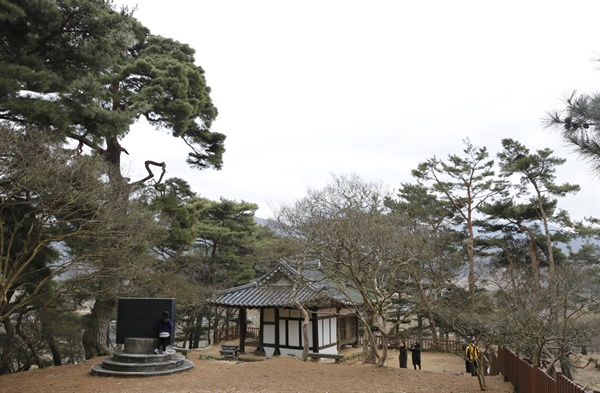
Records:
x=261, y=332
x=355, y=323
x=315, y=332
x=227, y=324
x=243, y=321
x=338, y=331
x=277, y=351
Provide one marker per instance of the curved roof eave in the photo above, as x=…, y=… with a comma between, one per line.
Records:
x=258, y=293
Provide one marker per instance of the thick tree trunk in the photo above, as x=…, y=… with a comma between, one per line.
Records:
x=95, y=336
x=305, y=335
x=7, y=347
x=49, y=338
x=197, y=331
x=369, y=347
x=481, y=365
x=551, y=264
x=384, y=349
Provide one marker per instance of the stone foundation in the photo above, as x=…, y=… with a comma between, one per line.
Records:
x=137, y=359
x=140, y=345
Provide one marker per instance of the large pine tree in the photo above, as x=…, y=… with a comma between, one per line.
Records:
x=579, y=124
x=86, y=72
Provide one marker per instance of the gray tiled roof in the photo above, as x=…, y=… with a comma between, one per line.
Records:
x=275, y=289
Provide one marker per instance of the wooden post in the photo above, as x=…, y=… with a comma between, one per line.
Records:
x=277, y=351
x=338, y=330
x=243, y=320
x=227, y=324
x=315, y=332
x=261, y=332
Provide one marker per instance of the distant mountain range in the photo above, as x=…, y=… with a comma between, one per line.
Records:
x=261, y=221
x=575, y=244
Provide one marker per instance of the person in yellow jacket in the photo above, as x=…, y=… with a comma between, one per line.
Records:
x=472, y=354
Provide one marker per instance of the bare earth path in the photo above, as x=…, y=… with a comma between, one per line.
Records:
x=440, y=373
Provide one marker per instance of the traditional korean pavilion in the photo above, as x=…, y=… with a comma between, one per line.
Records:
x=332, y=323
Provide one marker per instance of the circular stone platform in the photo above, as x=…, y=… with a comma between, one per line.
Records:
x=139, y=360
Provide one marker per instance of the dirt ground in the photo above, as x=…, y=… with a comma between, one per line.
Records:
x=440, y=373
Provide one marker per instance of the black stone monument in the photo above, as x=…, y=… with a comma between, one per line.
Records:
x=137, y=317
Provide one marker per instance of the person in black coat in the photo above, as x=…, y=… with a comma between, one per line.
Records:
x=164, y=328
x=403, y=354
x=416, y=355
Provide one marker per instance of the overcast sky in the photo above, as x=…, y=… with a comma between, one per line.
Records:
x=307, y=89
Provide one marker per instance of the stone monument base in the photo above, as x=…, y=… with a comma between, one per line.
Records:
x=137, y=359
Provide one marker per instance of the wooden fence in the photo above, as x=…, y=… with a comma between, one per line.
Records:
x=527, y=378
x=427, y=344
x=232, y=333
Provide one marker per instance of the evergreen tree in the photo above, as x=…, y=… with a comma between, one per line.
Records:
x=537, y=177
x=465, y=183
x=86, y=72
x=440, y=271
x=226, y=239
x=579, y=125
x=505, y=223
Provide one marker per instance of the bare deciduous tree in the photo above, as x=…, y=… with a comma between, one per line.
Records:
x=364, y=249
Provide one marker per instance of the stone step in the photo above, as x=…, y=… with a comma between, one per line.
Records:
x=98, y=369
x=137, y=359
x=112, y=364
x=124, y=357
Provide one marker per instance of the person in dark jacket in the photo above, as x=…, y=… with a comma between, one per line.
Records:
x=403, y=354
x=416, y=355
x=164, y=328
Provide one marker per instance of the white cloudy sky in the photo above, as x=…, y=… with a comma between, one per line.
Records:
x=306, y=89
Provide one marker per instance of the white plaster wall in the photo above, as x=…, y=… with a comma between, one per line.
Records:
x=269, y=351
x=329, y=350
x=333, y=324
x=327, y=331
x=269, y=334
x=281, y=331
x=324, y=330
x=294, y=333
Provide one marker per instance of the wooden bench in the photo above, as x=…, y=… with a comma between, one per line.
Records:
x=229, y=351
x=315, y=355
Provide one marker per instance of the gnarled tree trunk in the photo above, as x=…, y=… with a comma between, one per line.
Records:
x=95, y=337
x=369, y=347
